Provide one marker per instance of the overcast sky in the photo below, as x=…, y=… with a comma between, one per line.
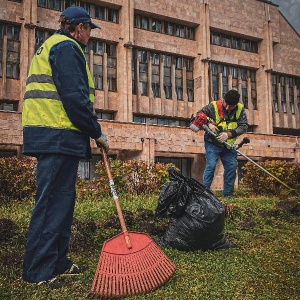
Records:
x=291, y=10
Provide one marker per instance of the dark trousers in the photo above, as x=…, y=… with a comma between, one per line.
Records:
x=229, y=160
x=51, y=219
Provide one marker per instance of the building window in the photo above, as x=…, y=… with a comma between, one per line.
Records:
x=161, y=121
x=285, y=84
x=291, y=94
x=165, y=27
x=69, y=3
x=156, y=59
x=297, y=80
x=157, y=25
x=98, y=50
x=253, y=88
x=133, y=68
x=106, y=14
x=96, y=11
x=215, y=38
x=40, y=37
x=55, y=4
x=182, y=163
x=87, y=167
x=213, y=69
x=102, y=115
x=84, y=169
x=111, y=50
x=169, y=28
x=12, y=64
x=234, y=76
x=226, y=41
x=99, y=12
x=240, y=76
x=42, y=3
x=190, y=90
x=8, y=105
x=167, y=61
x=236, y=43
x=178, y=77
x=1, y=49
x=86, y=6
x=142, y=57
x=282, y=92
x=180, y=30
x=274, y=82
x=244, y=95
x=225, y=74
x=144, y=23
x=229, y=41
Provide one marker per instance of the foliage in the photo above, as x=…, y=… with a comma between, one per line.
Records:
x=261, y=183
x=130, y=177
x=17, y=178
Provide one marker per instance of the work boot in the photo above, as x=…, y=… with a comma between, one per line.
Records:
x=53, y=283
x=74, y=270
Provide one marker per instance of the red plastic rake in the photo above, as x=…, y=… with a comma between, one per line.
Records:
x=130, y=263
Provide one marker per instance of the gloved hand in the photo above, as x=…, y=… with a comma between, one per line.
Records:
x=222, y=137
x=102, y=142
x=212, y=127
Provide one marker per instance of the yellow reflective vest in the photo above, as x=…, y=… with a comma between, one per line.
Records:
x=224, y=124
x=42, y=105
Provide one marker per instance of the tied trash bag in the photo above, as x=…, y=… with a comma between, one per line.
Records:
x=198, y=217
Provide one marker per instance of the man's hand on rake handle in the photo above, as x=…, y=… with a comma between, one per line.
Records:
x=102, y=142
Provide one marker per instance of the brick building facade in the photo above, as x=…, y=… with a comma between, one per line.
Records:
x=155, y=63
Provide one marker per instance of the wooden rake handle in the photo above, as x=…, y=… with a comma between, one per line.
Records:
x=116, y=198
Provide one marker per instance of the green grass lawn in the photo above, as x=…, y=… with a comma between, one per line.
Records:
x=265, y=265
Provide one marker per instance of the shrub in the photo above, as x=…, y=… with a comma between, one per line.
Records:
x=261, y=183
x=17, y=178
x=18, y=181
x=133, y=176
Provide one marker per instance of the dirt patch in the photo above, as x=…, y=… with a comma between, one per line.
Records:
x=8, y=229
x=12, y=258
x=292, y=206
x=142, y=220
x=113, y=220
x=82, y=235
x=246, y=224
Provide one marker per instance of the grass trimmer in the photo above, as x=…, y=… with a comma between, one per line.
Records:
x=244, y=141
x=130, y=263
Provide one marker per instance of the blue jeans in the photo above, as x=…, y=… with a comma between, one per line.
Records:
x=51, y=219
x=229, y=160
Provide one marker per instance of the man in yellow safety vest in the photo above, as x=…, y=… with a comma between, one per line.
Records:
x=58, y=122
x=226, y=118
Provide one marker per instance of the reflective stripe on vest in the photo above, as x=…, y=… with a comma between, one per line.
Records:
x=42, y=105
x=227, y=125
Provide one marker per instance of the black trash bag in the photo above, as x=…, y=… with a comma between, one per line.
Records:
x=173, y=196
x=198, y=216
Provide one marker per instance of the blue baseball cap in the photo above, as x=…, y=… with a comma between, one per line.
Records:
x=77, y=15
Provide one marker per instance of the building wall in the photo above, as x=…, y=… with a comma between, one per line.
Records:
x=278, y=44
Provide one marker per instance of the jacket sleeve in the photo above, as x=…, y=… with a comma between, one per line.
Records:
x=70, y=78
x=209, y=111
x=242, y=124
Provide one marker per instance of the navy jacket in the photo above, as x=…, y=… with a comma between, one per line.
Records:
x=70, y=78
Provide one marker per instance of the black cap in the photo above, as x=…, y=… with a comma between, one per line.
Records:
x=77, y=15
x=232, y=97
